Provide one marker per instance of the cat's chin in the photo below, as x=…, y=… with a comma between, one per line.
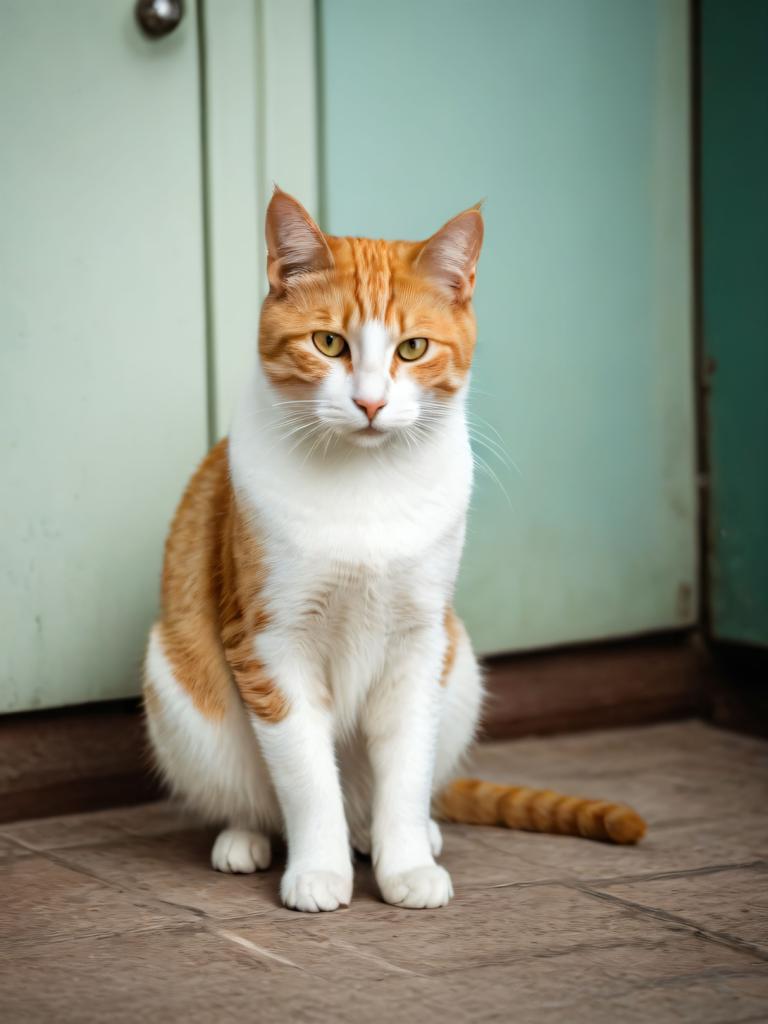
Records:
x=368, y=437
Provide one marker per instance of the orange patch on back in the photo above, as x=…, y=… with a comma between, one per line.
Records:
x=212, y=608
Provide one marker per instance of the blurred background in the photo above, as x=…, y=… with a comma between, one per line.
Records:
x=618, y=400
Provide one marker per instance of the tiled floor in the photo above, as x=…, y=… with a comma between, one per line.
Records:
x=115, y=916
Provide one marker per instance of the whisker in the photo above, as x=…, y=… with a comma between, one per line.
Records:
x=315, y=443
x=490, y=445
x=328, y=441
x=295, y=430
x=480, y=461
x=295, y=401
x=305, y=437
x=476, y=415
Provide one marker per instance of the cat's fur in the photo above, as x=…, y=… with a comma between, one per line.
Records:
x=308, y=673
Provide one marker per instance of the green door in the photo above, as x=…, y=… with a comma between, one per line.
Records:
x=734, y=165
x=102, y=345
x=571, y=117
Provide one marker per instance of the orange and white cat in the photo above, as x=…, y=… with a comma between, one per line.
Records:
x=308, y=674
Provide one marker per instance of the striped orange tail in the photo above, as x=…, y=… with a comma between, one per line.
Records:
x=474, y=802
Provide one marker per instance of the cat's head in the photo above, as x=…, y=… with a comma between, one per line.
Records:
x=370, y=339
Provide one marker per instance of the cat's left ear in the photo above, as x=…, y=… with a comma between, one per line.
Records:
x=450, y=256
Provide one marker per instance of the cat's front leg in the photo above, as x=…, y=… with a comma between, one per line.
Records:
x=299, y=752
x=401, y=723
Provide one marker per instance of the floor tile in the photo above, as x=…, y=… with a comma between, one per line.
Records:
x=177, y=868
x=44, y=901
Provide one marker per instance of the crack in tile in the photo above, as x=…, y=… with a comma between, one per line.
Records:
x=252, y=947
x=365, y=955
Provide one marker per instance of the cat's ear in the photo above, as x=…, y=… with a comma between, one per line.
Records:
x=450, y=256
x=295, y=244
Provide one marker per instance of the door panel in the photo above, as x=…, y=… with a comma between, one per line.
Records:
x=102, y=347
x=734, y=165
x=571, y=118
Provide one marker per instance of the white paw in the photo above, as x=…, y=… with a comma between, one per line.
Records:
x=315, y=890
x=241, y=852
x=435, y=838
x=429, y=886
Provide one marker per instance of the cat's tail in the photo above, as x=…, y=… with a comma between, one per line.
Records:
x=474, y=802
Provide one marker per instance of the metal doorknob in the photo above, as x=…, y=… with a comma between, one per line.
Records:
x=159, y=17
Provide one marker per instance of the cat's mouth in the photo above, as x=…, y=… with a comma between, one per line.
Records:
x=369, y=437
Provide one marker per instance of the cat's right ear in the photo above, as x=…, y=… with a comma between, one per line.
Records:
x=450, y=256
x=295, y=244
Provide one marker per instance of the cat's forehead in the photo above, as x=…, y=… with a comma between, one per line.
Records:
x=373, y=281
x=371, y=259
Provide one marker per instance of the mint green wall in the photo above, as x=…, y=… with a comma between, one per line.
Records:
x=571, y=118
x=734, y=166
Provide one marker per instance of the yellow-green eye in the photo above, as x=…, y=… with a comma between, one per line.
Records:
x=412, y=349
x=328, y=343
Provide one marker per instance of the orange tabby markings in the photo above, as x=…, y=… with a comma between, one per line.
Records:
x=452, y=631
x=475, y=802
x=211, y=597
x=370, y=279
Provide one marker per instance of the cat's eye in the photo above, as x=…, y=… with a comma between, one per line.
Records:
x=412, y=349
x=329, y=344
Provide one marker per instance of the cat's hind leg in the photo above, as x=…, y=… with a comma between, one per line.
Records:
x=208, y=754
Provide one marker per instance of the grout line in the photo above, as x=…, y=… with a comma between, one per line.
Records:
x=18, y=843
x=709, y=935
x=99, y=844
x=571, y=881
x=140, y=897
x=534, y=883
x=13, y=945
x=759, y=865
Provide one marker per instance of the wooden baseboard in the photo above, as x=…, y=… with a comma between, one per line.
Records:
x=83, y=758
x=73, y=759
x=595, y=686
x=735, y=684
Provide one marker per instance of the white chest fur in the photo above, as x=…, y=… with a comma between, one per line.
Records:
x=361, y=546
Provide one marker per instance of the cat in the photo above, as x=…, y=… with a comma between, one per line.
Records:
x=308, y=674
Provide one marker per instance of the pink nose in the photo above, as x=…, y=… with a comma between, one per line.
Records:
x=370, y=408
